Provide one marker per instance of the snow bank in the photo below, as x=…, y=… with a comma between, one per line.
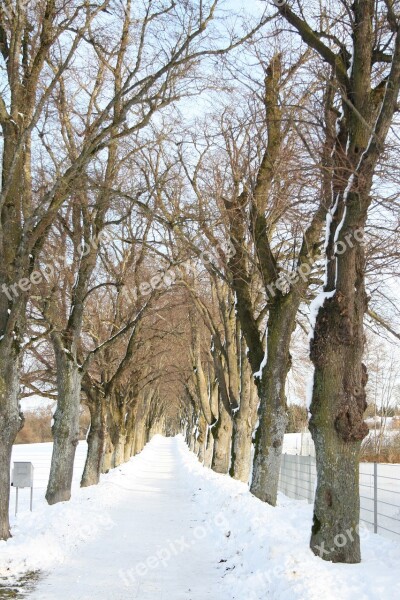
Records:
x=267, y=554
x=50, y=534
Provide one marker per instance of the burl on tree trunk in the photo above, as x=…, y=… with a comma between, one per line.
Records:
x=337, y=427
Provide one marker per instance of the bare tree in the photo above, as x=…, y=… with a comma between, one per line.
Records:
x=365, y=58
x=28, y=36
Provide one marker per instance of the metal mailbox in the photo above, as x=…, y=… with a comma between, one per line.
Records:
x=22, y=477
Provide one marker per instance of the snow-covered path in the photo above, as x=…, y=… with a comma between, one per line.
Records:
x=140, y=552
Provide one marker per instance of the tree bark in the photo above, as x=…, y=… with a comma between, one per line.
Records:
x=202, y=438
x=108, y=459
x=130, y=438
x=209, y=447
x=128, y=448
x=11, y=422
x=65, y=428
x=192, y=439
x=271, y=390
x=112, y=434
x=244, y=421
x=222, y=434
x=119, y=448
x=141, y=427
x=96, y=443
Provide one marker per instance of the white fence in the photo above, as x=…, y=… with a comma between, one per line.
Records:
x=298, y=477
x=379, y=490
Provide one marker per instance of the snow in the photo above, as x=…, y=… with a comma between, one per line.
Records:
x=268, y=556
x=350, y=69
x=300, y=444
x=309, y=389
x=163, y=526
x=315, y=305
x=258, y=374
x=45, y=535
x=343, y=219
x=328, y=223
x=35, y=403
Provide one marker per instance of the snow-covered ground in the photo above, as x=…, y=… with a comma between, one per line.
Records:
x=40, y=456
x=162, y=527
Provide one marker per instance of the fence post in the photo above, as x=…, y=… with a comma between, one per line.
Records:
x=375, y=497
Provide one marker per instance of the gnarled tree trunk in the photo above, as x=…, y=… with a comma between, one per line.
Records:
x=337, y=429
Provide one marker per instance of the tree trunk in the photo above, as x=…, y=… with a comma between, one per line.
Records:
x=11, y=422
x=192, y=439
x=128, y=448
x=209, y=447
x=201, y=452
x=96, y=443
x=140, y=433
x=244, y=421
x=222, y=433
x=108, y=459
x=65, y=428
x=130, y=437
x=202, y=438
x=196, y=444
x=15, y=176
x=272, y=410
x=338, y=399
x=337, y=428
x=119, y=448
